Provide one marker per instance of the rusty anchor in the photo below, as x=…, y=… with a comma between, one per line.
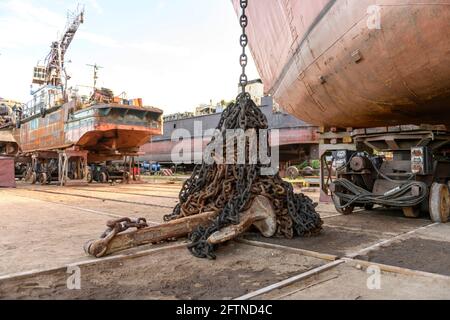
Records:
x=118, y=237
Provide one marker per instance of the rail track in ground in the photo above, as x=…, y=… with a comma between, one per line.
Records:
x=128, y=193
x=105, y=199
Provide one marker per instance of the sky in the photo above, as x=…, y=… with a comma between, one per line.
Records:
x=175, y=54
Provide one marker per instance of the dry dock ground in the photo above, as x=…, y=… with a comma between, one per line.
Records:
x=368, y=255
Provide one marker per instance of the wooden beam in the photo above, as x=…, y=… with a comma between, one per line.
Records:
x=171, y=230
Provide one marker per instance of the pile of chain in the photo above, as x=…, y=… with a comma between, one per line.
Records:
x=230, y=189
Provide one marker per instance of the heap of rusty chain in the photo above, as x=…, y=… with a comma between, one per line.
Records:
x=230, y=189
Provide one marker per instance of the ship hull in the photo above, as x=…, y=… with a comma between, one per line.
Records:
x=105, y=131
x=297, y=140
x=327, y=62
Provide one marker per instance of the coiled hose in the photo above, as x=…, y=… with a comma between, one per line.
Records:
x=400, y=197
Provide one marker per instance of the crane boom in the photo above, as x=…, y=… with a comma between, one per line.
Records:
x=51, y=72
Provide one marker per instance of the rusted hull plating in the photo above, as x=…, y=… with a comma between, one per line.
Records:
x=163, y=150
x=327, y=63
x=104, y=130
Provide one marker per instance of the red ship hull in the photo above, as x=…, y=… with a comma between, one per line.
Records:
x=327, y=62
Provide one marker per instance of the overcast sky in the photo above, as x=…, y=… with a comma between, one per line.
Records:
x=176, y=54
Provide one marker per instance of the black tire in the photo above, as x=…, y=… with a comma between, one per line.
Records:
x=43, y=179
x=89, y=177
x=439, y=203
x=33, y=178
x=103, y=177
x=292, y=173
x=338, y=203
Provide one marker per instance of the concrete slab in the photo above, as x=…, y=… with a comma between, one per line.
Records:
x=390, y=223
x=349, y=282
x=332, y=241
x=416, y=253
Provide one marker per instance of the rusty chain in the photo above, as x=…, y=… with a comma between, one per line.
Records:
x=229, y=190
x=121, y=225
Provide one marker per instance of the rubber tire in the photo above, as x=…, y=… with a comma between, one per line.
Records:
x=43, y=179
x=103, y=178
x=89, y=177
x=33, y=178
x=439, y=203
x=346, y=211
x=292, y=173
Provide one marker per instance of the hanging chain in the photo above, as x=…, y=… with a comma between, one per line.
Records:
x=243, y=81
x=230, y=190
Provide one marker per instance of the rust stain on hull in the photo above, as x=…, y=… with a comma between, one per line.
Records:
x=104, y=130
x=323, y=64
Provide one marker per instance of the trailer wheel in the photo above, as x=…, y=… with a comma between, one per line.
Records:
x=411, y=212
x=292, y=173
x=126, y=177
x=102, y=178
x=439, y=203
x=33, y=178
x=89, y=177
x=43, y=178
x=338, y=203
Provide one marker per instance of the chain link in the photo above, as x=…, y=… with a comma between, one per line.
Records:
x=120, y=225
x=243, y=80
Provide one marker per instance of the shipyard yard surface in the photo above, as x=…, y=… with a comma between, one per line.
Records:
x=44, y=228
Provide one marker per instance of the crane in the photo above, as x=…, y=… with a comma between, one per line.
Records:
x=51, y=73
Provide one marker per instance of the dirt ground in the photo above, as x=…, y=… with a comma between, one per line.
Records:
x=44, y=228
x=239, y=270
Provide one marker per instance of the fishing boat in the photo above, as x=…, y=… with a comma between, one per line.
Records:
x=71, y=138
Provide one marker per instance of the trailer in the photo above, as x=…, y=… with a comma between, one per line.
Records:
x=405, y=167
x=375, y=77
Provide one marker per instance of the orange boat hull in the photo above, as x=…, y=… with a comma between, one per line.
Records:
x=106, y=131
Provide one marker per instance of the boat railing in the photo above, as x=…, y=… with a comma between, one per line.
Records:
x=44, y=99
